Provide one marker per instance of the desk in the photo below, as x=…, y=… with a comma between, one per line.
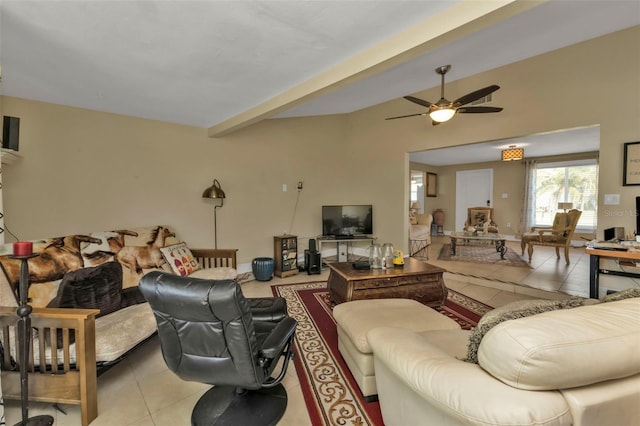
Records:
x=342, y=256
x=595, y=271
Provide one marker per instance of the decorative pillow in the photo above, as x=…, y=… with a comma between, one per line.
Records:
x=413, y=220
x=478, y=217
x=620, y=295
x=424, y=219
x=514, y=310
x=98, y=287
x=180, y=258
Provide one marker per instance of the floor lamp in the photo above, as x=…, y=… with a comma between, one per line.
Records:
x=215, y=192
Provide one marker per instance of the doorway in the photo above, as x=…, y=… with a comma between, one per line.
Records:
x=474, y=188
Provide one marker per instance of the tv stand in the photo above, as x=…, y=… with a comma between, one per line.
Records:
x=342, y=244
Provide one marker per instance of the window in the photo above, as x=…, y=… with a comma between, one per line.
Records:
x=575, y=182
x=417, y=188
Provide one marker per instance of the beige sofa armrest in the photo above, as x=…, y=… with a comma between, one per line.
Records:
x=459, y=389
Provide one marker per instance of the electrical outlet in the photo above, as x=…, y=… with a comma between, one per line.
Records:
x=508, y=224
x=284, y=187
x=299, y=185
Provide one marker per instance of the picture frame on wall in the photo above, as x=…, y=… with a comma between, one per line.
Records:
x=631, y=166
x=432, y=185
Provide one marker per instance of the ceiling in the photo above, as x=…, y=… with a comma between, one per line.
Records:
x=570, y=141
x=223, y=65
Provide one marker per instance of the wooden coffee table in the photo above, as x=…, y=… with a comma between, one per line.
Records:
x=416, y=280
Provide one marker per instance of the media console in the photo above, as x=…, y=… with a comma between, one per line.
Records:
x=342, y=245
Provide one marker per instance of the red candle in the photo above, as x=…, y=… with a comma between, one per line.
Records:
x=23, y=248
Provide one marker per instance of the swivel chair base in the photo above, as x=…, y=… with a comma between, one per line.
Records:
x=222, y=405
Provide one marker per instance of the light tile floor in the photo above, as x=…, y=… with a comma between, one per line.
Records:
x=141, y=391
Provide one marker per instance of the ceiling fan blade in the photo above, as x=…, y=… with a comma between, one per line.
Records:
x=478, y=109
x=405, y=116
x=418, y=101
x=473, y=96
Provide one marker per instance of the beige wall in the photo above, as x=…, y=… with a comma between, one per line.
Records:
x=508, y=178
x=85, y=171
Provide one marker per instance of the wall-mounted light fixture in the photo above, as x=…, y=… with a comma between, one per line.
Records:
x=512, y=153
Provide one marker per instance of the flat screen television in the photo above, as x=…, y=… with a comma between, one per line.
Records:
x=347, y=220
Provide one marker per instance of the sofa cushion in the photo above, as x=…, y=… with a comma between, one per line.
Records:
x=180, y=258
x=510, y=311
x=357, y=317
x=222, y=273
x=565, y=348
x=97, y=287
x=119, y=332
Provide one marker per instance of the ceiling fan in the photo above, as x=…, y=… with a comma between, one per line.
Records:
x=444, y=110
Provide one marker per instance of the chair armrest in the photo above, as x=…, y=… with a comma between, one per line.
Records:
x=278, y=338
x=216, y=258
x=56, y=377
x=57, y=317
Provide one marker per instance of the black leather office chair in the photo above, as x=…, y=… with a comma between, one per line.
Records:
x=208, y=334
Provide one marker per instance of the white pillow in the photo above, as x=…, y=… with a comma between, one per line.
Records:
x=180, y=258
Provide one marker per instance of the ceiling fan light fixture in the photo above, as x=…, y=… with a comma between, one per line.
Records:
x=512, y=153
x=442, y=115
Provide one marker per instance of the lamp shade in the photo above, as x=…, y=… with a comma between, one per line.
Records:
x=565, y=206
x=214, y=191
x=442, y=115
x=415, y=206
x=512, y=153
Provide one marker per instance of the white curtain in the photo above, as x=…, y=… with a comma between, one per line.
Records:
x=1, y=210
x=527, y=214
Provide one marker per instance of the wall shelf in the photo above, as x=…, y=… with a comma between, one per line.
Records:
x=9, y=156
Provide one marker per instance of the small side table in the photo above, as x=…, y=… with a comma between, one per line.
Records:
x=285, y=252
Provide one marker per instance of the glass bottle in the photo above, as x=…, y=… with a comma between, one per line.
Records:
x=375, y=256
x=387, y=255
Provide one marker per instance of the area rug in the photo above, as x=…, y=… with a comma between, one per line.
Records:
x=331, y=394
x=482, y=254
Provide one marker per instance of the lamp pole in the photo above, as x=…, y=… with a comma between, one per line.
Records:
x=215, y=224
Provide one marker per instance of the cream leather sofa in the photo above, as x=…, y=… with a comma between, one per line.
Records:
x=577, y=366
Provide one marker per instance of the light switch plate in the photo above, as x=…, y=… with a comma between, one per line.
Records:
x=611, y=199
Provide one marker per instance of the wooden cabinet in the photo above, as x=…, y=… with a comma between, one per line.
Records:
x=285, y=253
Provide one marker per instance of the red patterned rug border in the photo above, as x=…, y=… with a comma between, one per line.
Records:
x=331, y=394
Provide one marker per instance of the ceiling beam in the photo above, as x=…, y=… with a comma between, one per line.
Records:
x=462, y=19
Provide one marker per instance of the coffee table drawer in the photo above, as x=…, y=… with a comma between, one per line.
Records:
x=396, y=281
x=417, y=279
x=376, y=283
x=431, y=295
